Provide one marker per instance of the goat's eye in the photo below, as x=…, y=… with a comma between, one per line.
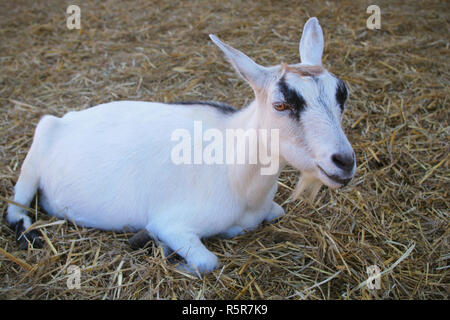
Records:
x=281, y=107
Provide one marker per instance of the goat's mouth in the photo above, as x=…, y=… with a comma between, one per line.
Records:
x=342, y=181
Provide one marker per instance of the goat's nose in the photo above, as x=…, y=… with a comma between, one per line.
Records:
x=344, y=161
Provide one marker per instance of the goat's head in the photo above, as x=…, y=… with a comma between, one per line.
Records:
x=305, y=102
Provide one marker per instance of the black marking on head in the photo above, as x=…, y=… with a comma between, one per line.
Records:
x=292, y=98
x=222, y=107
x=341, y=94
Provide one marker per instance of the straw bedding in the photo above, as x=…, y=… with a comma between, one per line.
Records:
x=394, y=214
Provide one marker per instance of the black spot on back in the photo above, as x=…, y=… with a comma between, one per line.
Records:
x=222, y=107
x=292, y=98
x=341, y=94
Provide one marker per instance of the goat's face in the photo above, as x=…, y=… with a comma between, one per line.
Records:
x=305, y=102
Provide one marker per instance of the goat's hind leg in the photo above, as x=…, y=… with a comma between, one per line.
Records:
x=24, y=192
x=28, y=183
x=188, y=245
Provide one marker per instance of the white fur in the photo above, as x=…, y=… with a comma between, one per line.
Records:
x=109, y=166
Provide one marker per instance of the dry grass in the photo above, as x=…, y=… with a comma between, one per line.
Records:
x=394, y=214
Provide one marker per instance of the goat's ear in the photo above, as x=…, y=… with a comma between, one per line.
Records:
x=311, y=44
x=252, y=72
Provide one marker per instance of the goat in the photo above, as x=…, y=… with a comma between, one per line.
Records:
x=110, y=166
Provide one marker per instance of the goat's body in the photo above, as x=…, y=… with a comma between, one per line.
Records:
x=125, y=176
x=92, y=168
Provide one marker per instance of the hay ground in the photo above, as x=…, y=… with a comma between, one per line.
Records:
x=394, y=214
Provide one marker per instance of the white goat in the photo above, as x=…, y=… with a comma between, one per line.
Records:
x=110, y=166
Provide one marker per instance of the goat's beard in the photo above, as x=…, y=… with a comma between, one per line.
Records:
x=308, y=185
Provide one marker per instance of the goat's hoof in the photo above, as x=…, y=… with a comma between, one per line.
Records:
x=198, y=271
x=31, y=237
x=201, y=265
x=139, y=240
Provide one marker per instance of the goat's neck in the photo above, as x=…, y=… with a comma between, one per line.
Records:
x=246, y=179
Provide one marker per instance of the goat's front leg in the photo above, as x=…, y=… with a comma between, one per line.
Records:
x=250, y=221
x=275, y=213
x=188, y=245
x=140, y=239
x=232, y=232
